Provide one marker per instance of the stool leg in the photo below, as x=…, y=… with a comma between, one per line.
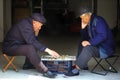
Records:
x=111, y=67
x=9, y=63
x=99, y=64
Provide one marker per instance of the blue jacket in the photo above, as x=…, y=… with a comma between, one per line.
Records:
x=100, y=35
x=21, y=33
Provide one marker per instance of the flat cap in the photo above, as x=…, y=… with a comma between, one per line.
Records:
x=38, y=17
x=82, y=10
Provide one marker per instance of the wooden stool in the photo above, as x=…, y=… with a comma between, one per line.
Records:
x=10, y=62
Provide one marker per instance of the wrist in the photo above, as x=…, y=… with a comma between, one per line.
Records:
x=83, y=25
x=47, y=50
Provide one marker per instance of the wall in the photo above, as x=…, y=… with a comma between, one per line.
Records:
x=108, y=9
x=7, y=16
x=1, y=20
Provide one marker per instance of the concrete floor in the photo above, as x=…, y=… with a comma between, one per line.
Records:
x=63, y=45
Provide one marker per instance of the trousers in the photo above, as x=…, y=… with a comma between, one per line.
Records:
x=30, y=52
x=85, y=54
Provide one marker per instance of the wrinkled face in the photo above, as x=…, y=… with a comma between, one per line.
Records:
x=37, y=25
x=85, y=18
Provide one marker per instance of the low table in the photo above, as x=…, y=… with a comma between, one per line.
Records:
x=59, y=65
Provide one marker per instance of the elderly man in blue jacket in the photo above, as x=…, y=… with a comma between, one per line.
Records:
x=97, y=40
x=21, y=41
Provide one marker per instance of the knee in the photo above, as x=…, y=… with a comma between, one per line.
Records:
x=87, y=48
x=31, y=51
x=30, y=48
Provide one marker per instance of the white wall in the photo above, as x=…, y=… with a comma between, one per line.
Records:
x=7, y=16
x=1, y=20
x=108, y=9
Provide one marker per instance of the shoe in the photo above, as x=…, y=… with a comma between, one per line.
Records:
x=85, y=68
x=72, y=74
x=26, y=67
x=49, y=74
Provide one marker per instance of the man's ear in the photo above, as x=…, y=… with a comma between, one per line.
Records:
x=33, y=21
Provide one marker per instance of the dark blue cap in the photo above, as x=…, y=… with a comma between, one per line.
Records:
x=38, y=17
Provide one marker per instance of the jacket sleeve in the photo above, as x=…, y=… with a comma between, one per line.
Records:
x=29, y=37
x=100, y=33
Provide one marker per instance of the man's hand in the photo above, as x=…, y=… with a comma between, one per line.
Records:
x=85, y=43
x=36, y=33
x=52, y=53
x=83, y=25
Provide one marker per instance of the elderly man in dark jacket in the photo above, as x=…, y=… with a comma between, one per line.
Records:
x=97, y=40
x=21, y=41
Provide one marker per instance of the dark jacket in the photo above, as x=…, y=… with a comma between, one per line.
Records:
x=21, y=33
x=100, y=35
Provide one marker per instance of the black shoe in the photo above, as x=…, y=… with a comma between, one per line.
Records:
x=85, y=68
x=72, y=74
x=26, y=67
x=49, y=74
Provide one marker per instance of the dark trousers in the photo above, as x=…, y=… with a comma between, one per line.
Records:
x=85, y=54
x=27, y=62
x=30, y=52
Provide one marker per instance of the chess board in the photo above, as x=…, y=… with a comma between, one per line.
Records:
x=59, y=65
x=62, y=58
